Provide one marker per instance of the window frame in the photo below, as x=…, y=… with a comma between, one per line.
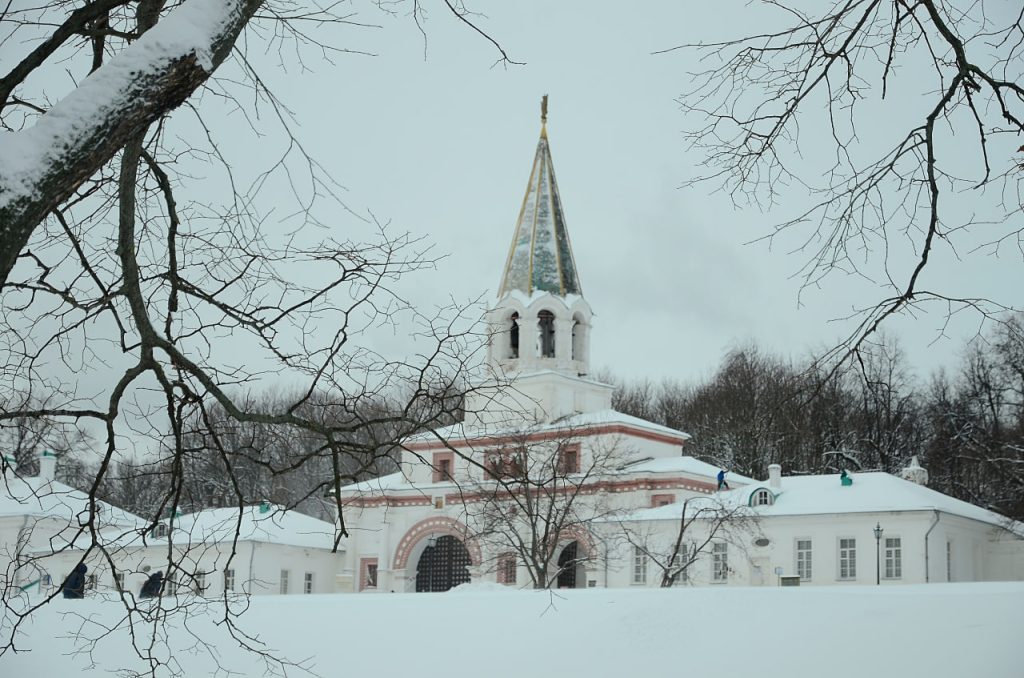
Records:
x=369, y=574
x=308, y=583
x=570, y=452
x=850, y=562
x=683, y=555
x=508, y=567
x=443, y=467
x=719, y=562
x=640, y=560
x=229, y=580
x=501, y=463
x=949, y=560
x=892, y=558
x=805, y=563
x=546, y=333
x=283, y=582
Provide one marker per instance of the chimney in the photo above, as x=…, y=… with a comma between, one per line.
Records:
x=47, y=465
x=914, y=472
x=10, y=465
x=775, y=476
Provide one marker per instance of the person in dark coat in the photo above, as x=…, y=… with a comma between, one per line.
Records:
x=151, y=589
x=74, y=585
x=721, y=480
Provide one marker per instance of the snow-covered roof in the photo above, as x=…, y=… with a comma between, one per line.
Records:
x=392, y=481
x=667, y=465
x=821, y=494
x=269, y=524
x=40, y=498
x=685, y=464
x=609, y=417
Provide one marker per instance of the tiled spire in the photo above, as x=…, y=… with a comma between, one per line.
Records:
x=540, y=259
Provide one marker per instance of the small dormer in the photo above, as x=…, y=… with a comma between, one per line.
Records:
x=761, y=496
x=914, y=472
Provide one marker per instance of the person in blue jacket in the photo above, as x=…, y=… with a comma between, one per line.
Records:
x=74, y=585
x=721, y=480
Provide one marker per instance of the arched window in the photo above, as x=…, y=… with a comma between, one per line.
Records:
x=578, y=331
x=513, y=335
x=762, y=498
x=546, y=321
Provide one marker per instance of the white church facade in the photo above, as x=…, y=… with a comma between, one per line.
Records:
x=444, y=518
x=542, y=483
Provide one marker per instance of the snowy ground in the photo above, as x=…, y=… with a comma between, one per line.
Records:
x=938, y=631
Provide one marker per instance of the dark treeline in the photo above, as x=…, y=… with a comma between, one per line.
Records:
x=226, y=463
x=966, y=424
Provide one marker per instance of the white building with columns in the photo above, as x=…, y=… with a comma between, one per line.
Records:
x=413, y=530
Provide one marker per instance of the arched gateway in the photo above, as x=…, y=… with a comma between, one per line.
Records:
x=437, y=554
x=443, y=564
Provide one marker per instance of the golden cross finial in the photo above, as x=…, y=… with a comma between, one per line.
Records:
x=544, y=116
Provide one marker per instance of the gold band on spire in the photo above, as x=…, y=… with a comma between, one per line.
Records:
x=544, y=116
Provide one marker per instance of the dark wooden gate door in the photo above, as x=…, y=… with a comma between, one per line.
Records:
x=567, y=567
x=444, y=564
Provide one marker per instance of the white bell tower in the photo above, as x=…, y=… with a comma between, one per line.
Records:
x=540, y=325
x=541, y=320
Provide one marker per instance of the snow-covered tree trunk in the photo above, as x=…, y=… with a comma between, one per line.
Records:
x=42, y=166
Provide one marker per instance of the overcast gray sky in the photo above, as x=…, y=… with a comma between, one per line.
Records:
x=434, y=139
x=442, y=147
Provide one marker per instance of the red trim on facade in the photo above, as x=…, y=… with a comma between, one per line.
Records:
x=435, y=525
x=589, y=488
x=614, y=487
x=599, y=429
x=389, y=500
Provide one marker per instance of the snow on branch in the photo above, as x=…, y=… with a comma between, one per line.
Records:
x=42, y=165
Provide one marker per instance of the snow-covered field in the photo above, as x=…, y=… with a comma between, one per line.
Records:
x=937, y=631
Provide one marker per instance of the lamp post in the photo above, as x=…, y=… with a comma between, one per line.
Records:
x=878, y=544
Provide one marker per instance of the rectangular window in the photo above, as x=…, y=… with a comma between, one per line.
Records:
x=119, y=581
x=170, y=586
x=804, y=568
x=949, y=561
x=639, y=565
x=569, y=459
x=720, y=562
x=505, y=464
x=444, y=466
x=367, y=573
x=307, y=583
x=284, y=582
x=200, y=583
x=492, y=462
x=229, y=580
x=893, y=558
x=507, y=569
x=90, y=582
x=848, y=558
x=681, y=563
x=662, y=500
